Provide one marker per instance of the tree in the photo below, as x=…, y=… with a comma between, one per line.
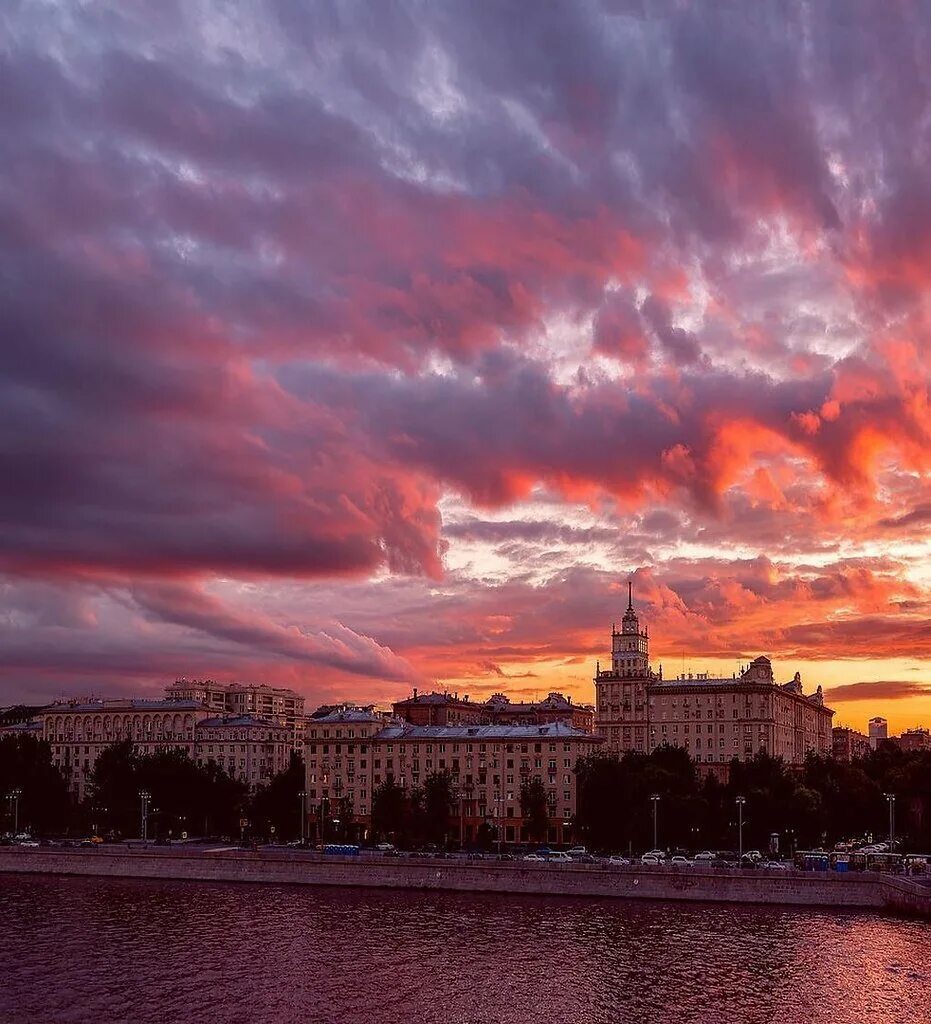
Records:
x=391, y=811
x=184, y=796
x=533, y=809
x=439, y=797
x=113, y=790
x=26, y=765
x=615, y=810
x=278, y=805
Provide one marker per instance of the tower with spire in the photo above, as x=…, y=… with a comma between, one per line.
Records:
x=630, y=648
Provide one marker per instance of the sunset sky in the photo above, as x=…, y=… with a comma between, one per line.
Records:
x=362, y=347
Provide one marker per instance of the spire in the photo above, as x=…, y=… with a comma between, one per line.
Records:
x=630, y=595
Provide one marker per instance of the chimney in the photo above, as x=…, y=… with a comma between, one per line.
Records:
x=415, y=693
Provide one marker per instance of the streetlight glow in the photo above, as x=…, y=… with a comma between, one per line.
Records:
x=741, y=800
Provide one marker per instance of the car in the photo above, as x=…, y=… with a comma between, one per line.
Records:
x=27, y=842
x=534, y=857
x=774, y=865
x=577, y=851
x=658, y=854
x=385, y=847
x=704, y=856
x=649, y=858
x=618, y=861
x=683, y=861
x=557, y=857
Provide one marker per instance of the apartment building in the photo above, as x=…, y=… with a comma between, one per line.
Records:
x=351, y=752
x=275, y=704
x=248, y=748
x=444, y=708
x=714, y=719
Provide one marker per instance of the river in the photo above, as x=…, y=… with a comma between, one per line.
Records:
x=102, y=951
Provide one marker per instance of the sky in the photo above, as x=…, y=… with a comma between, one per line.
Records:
x=359, y=347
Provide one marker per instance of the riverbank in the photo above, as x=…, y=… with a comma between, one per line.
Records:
x=865, y=889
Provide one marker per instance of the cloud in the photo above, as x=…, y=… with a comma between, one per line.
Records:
x=440, y=321
x=877, y=691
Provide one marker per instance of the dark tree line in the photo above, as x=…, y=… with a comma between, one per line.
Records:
x=26, y=766
x=824, y=802
x=415, y=816
x=183, y=796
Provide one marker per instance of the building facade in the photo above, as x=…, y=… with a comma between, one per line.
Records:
x=275, y=704
x=351, y=752
x=714, y=720
x=914, y=739
x=848, y=744
x=879, y=731
x=247, y=748
x=447, y=709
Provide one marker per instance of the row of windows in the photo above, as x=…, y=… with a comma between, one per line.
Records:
x=414, y=748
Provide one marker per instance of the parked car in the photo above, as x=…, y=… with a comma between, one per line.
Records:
x=704, y=857
x=28, y=842
x=385, y=847
x=649, y=858
x=774, y=865
x=682, y=861
x=558, y=857
x=618, y=861
x=658, y=854
x=577, y=851
x=534, y=857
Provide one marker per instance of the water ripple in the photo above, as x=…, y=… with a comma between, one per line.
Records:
x=81, y=950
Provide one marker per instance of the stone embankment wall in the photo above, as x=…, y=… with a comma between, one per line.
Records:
x=823, y=889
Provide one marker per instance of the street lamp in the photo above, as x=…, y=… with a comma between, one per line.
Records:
x=741, y=800
x=302, y=796
x=145, y=796
x=890, y=799
x=655, y=798
x=14, y=796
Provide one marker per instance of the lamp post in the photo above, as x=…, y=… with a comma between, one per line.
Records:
x=14, y=796
x=890, y=799
x=145, y=796
x=302, y=796
x=655, y=798
x=741, y=800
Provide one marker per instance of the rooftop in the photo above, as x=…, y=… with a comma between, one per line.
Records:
x=344, y=713
x=240, y=721
x=122, y=704
x=551, y=730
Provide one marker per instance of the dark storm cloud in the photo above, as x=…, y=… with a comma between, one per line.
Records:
x=273, y=276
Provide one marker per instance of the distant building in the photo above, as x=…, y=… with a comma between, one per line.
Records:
x=714, y=720
x=351, y=752
x=439, y=709
x=879, y=731
x=555, y=707
x=446, y=709
x=247, y=748
x=915, y=739
x=276, y=704
x=848, y=744
x=19, y=714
